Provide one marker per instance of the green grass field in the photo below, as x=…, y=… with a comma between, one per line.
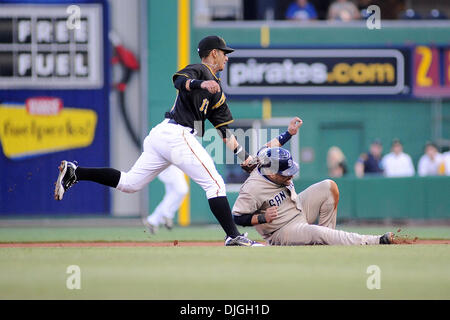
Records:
x=212, y=273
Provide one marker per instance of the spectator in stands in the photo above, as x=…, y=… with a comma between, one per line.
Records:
x=370, y=163
x=397, y=163
x=301, y=10
x=343, y=10
x=336, y=162
x=435, y=14
x=430, y=162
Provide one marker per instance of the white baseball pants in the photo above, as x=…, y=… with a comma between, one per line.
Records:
x=175, y=189
x=167, y=144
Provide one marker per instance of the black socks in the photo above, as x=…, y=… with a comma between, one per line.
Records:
x=106, y=176
x=222, y=211
x=110, y=177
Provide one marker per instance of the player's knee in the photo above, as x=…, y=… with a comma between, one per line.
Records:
x=216, y=189
x=334, y=191
x=129, y=188
x=181, y=189
x=125, y=185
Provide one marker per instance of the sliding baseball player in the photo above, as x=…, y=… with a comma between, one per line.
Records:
x=268, y=201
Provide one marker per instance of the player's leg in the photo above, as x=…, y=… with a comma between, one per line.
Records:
x=181, y=148
x=145, y=169
x=295, y=234
x=320, y=201
x=190, y=156
x=70, y=173
x=175, y=189
x=200, y=167
x=175, y=183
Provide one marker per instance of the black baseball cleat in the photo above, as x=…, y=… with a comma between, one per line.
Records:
x=66, y=178
x=387, y=238
x=242, y=241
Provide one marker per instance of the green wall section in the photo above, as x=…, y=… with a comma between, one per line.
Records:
x=350, y=124
x=162, y=64
x=334, y=35
x=394, y=198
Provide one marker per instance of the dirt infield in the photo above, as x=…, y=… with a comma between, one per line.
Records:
x=160, y=244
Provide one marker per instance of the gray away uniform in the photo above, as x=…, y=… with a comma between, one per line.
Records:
x=296, y=213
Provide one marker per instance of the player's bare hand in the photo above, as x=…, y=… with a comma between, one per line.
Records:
x=294, y=125
x=210, y=85
x=271, y=214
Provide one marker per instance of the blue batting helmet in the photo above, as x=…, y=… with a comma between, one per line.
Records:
x=277, y=161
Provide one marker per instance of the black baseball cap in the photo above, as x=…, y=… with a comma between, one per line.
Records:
x=377, y=141
x=213, y=42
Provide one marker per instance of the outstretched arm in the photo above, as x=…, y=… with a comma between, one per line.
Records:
x=293, y=127
x=232, y=144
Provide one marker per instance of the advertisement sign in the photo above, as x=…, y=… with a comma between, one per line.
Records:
x=54, y=103
x=431, y=71
x=317, y=72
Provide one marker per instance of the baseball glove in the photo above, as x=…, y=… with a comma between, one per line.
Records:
x=249, y=167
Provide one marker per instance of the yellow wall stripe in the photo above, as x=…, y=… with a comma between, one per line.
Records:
x=266, y=108
x=184, y=52
x=265, y=36
x=184, y=30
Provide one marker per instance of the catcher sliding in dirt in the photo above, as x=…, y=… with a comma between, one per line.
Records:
x=267, y=200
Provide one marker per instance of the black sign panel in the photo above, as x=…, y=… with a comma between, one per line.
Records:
x=317, y=72
x=40, y=48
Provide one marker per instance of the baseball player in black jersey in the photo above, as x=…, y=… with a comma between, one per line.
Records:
x=199, y=98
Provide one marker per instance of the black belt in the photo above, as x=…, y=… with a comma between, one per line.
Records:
x=174, y=122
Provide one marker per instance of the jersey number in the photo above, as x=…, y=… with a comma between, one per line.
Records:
x=204, y=106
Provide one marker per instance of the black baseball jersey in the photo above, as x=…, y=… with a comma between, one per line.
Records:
x=198, y=105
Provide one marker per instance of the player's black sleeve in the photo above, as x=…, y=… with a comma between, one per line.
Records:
x=243, y=220
x=245, y=207
x=189, y=72
x=180, y=82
